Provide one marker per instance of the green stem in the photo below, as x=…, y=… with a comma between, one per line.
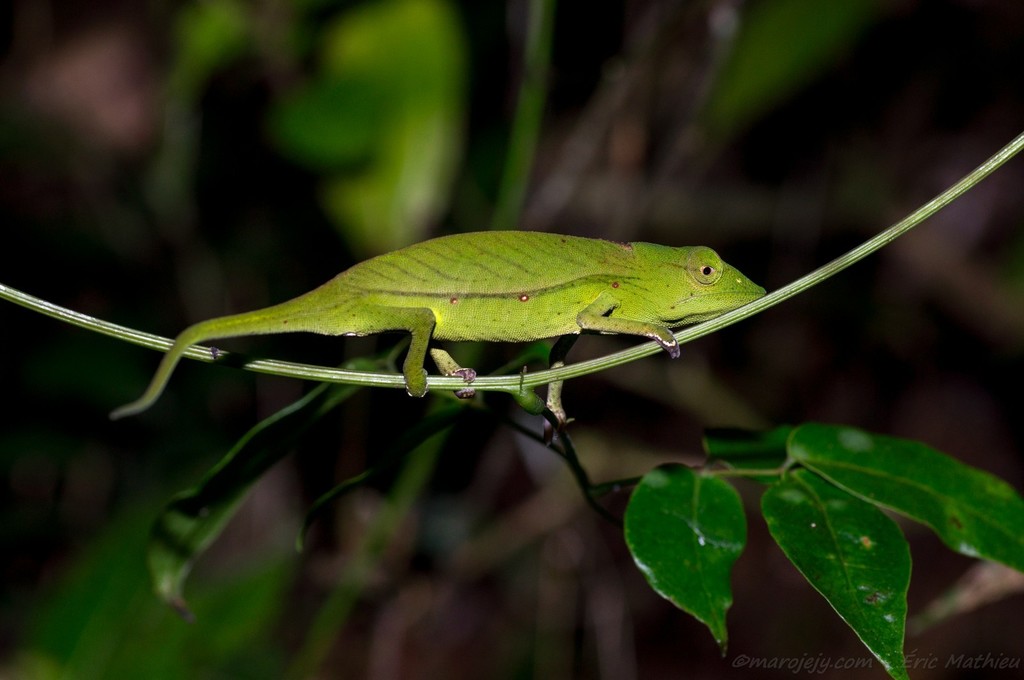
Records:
x=513, y=384
x=567, y=452
x=747, y=472
x=529, y=112
x=824, y=272
x=605, y=488
x=199, y=352
x=579, y=473
x=439, y=420
x=364, y=560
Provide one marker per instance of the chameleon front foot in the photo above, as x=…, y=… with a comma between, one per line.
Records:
x=415, y=382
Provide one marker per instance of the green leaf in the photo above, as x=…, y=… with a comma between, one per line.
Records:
x=97, y=618
x=973, y=512
x=196, y=516
x=852, y=554
x=685, y=531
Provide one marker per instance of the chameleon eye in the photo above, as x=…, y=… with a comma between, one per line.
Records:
x=704, y=265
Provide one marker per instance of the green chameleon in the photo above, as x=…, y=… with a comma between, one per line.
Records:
x=508, y=286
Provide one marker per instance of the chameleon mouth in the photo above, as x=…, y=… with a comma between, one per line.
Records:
x=703, y=307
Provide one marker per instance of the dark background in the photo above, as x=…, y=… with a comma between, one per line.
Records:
x=156, y=169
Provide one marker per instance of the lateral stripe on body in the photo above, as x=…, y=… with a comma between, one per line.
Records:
x=464, y=294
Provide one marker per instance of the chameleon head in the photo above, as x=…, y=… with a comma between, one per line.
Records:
x=711, y=287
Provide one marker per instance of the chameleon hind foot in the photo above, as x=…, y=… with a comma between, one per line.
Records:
x=448, y=366
x=554, y=398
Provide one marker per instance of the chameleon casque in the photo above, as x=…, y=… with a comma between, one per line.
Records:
x=505, y=286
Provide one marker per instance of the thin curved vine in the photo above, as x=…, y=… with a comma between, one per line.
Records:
x=516, y=384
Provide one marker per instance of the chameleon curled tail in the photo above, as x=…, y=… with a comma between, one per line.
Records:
x=211, y=329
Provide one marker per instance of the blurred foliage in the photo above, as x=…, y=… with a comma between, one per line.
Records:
x=209, y=36
x=101, y=620
x=194, y=518
x=757, y=75
x=387, y=103
x=164, y=162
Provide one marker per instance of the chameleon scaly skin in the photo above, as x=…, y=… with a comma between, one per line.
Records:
x=499, y=286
